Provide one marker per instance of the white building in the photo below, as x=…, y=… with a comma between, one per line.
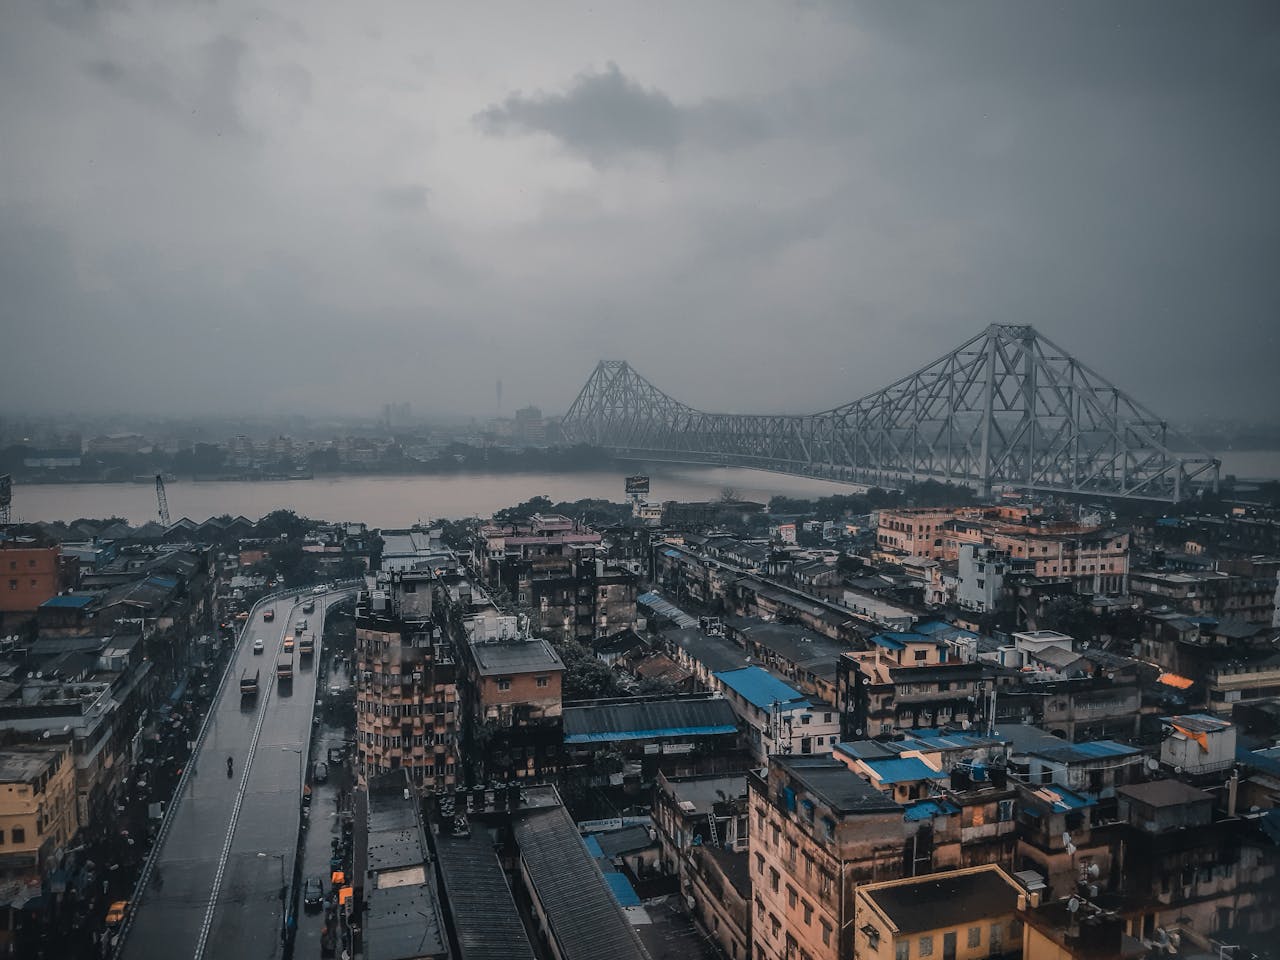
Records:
x=779, y=718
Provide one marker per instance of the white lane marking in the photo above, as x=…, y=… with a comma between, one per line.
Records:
x=207, y=926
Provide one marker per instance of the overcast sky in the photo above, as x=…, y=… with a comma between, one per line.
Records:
x=321, y=207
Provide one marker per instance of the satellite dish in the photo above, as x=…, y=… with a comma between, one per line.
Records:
x=1092, y=871
x=1073, y=905
x=1153, y=764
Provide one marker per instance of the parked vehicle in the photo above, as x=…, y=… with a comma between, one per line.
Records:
x=321, y=772
x=258, y=646
x=313, y=893
x=116, y=912
x=249, y=684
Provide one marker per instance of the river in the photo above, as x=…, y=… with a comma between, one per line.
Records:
x=383, y=501
x=386, y=501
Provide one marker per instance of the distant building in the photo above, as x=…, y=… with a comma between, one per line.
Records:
x=29, y=575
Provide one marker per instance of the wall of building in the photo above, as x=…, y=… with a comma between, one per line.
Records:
x=28, y=577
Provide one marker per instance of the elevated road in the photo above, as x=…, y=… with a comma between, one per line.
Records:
x=218, y=884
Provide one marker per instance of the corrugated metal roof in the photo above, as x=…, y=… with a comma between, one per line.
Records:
x=928, y=809
x=73, y=601
x=648, y=719
x=581, y=913
x=762, y=689
x=485, y=917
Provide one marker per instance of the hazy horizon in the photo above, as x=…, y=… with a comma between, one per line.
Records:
x=763, y=208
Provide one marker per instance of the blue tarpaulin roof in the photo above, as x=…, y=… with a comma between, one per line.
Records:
x=903, y=769
x=72, y=600
x=622, y=890
x=593, y=847
x=762, y=689
x=928, y=809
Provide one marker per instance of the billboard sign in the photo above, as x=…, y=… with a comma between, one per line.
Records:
x=637, y=486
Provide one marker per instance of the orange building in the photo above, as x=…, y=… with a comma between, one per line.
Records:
x=29, y=575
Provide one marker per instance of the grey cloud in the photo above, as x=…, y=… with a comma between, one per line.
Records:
x=406, y=197
x=606, y=115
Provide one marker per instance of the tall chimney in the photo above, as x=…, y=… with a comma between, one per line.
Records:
x=1232, y=785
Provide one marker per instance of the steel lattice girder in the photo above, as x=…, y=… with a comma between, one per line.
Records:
x=1007, y=408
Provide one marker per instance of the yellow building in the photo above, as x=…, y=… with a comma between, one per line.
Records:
x=967, y=914
x=37, y=807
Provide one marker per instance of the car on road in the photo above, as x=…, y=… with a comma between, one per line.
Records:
x=301, y=625
x=321, y=772
x=313, y=893
x=242, y=615
x=115, y=913
x=319, y=590
x=288, y=644
x=268, y=615
x=258, y=645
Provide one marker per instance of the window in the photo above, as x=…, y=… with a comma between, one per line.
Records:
x=791, y=896
x=975, y=937
x=504, y=684
x=775, y=925
x=13, y=584
x=808, y=914
x=760, y=864
x=996, y=938
x=543, y=681
x=926, y=945
x=19, y=835
x=826, y=933
x=773, y=879
x=902, y=950
x=921, y=654
x=826, y=718
x=805, y=718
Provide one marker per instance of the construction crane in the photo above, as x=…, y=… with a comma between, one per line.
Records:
x=162, y=500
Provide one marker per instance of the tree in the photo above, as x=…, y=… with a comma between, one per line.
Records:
x=585, y=677
x=730, y=495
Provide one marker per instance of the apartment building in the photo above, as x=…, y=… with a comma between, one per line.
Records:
x=967, y=914
x=512, y=701
x=1095, y=559
x=407, y=713
x=818, y=831
x=38, y=811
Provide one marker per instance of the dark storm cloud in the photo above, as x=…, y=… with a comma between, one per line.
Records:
x=605, y=115
x=762, y=207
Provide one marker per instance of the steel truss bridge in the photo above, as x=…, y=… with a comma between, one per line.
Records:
x=1006, y=409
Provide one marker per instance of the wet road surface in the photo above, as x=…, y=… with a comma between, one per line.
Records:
x=216, y=888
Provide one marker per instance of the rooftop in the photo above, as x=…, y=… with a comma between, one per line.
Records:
x=403, y=923
x=642, y=719
x=1164, y=793
x=1199, y=723
x=835, y=784
x=521, y=656
x=902, y=770
x=581, y=913
x=717, y=654
x=762, y=689
x=22, y=764
x=485, y=917
x=942, y=900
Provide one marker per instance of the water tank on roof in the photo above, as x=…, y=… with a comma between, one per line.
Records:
x=379, y=601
